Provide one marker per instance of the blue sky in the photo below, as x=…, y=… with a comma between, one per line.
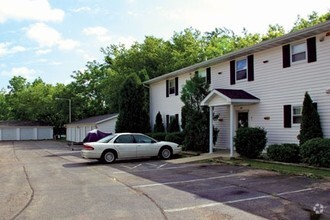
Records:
x=52, y=38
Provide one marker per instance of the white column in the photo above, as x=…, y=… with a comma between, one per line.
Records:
x=231, y=126
x=211, y=131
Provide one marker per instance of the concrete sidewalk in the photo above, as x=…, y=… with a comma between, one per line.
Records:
x=203, y=156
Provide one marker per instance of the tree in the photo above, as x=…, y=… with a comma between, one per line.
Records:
x=196, y=117
x=310, y=126
x=174, y=125
x=313, y=19
x=159, y=125
x=133, y=113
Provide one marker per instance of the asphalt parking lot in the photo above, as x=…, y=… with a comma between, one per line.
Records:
x=263, y=193
x=162, y=189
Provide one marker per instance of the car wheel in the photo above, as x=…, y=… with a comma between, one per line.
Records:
x=165, y=153
x=109, y=157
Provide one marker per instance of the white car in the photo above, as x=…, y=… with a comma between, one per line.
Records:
x=128, y=145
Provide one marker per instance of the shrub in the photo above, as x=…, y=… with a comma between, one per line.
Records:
x=174, y=125
x=159, y=125
x=159, y=136
x=310, y=126
x=250, y=142
x=176, y=137
x=284, y=152
x=316, y=152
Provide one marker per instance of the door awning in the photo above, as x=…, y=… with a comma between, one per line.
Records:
x=218, y=97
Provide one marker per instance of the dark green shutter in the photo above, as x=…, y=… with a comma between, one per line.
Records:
x=176, y=85
x=232, y=72
x=167, y=85
x=311, y=49
x=250, y=68
x=208, y=75
x=287, y=116
x=286, y=56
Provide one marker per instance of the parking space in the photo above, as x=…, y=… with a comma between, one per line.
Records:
x=142, y=189
x=199, y=186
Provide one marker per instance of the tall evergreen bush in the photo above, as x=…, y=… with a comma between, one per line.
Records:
x=159, y=125
x=310, y=126
x=133, y=113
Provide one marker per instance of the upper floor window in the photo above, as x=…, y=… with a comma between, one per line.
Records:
x=241, y=69
x=302, y=51
x=171, y=87
x=205, y=74
x=298, y=52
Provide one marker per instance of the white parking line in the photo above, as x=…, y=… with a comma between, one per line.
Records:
x=160, y=166
x=148, y=170
x=132, y=167
x=235, y=201
x=183, y=181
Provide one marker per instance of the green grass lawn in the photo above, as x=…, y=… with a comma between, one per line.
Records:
x=291, y=169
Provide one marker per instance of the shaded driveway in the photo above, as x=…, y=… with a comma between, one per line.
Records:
x=47, y=180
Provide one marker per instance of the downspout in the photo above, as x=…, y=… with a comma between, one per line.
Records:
x=231, y=126
x=211, y=131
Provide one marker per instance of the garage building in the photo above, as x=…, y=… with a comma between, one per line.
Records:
x=77, y=131
x=25, y=130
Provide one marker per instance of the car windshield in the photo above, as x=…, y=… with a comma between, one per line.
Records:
x=107, y=138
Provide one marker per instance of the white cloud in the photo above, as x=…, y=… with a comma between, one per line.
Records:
x=20, y=71
x=82, y=9
x=46, y=36
x=101, y=33
x=127, y=41
x=43, y=51
x=39, y=10
x=6, y=49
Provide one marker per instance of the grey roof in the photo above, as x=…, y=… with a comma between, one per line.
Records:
x=16, y=123
x=285, y=39
x=96, y=119
x=236, y=94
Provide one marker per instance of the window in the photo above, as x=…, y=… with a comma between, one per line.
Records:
x=298, y=52
x=296, y=114
x=171, y=87
x=205, y=74
x=143, y=139
x=124, y=139
x=241, y=69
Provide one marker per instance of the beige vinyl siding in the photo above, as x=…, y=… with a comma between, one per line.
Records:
x=166, y=105
x=274, y=85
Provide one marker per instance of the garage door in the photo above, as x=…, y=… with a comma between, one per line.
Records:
x=8, y=134
x=27, y=134
x=45, y=133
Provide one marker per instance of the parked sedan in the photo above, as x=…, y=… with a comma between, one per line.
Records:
x=128, y=145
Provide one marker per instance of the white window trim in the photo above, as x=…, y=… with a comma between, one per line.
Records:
x=244, y=79
x=169, y=87
x=296, y=115
x=291, y=52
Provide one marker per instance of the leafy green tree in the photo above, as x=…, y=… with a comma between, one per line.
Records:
x=196, y=128
x=133, y=114
x=312, y=19
x=310, y=126
x=88, y=90
x=4, y=110
x=159, y=125
x=274, y=31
